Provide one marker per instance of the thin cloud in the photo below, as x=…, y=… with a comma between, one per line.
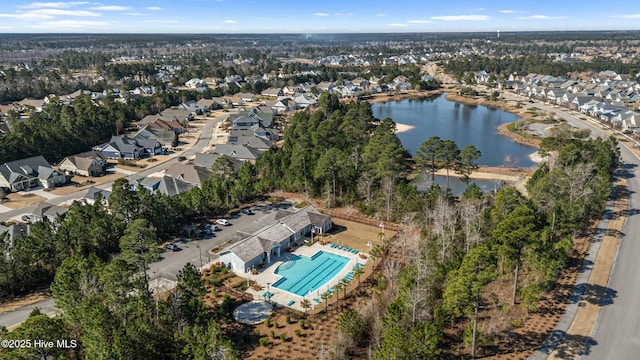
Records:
x=111, y=8
x=461, y=18
x=230, y=21
x=154, y=8
x=398, y=25
x=321, y=14
x=73, y=24
x=381, y=15
x=542, y=17
x=56, y=12
x=135, y=14
x=57, y=4
x=344, y=14
x=26, y=16
x=511, y=12
x=160, y=21
x=629, y=16
x=419, y=21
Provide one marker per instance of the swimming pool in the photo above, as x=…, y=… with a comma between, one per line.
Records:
x=301, y=274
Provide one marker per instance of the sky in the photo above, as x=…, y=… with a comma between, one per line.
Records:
x=321, y=16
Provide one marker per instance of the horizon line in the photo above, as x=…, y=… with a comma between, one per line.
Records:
x=319, y=33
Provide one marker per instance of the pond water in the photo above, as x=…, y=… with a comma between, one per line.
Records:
x=466, y=125
x=456, y=185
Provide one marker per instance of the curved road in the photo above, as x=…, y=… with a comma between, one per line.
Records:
x=617, y=332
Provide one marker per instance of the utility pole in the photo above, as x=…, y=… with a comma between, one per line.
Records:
x=200, y=250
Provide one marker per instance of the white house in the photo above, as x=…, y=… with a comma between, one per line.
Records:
x=258, y=249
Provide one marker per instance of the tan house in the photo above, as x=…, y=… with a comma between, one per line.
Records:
x=91, y=163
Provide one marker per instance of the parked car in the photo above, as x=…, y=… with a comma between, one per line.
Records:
x=247, y=211
x=171, y=247
x=223, y=222
x=210, y=228
x=26, y=218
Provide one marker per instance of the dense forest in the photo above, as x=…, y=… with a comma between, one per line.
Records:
x=539, y=64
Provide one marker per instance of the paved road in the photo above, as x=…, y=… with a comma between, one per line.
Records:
x=617, y=332
x=17, y=316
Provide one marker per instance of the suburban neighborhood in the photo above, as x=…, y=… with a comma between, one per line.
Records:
x=249, y=196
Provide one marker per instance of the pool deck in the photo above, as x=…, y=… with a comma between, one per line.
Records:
x=283, y=298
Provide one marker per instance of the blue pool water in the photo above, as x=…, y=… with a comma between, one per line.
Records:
x=301, y=274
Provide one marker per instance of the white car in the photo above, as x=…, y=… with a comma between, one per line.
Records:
x=223, y=222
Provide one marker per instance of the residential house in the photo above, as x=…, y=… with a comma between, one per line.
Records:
x=212, y=104
x=143, y=90
x=48, y=212
x=400, y=86
x=190, y=173
x=249, y=139
x=239, y=152
x=26, y=104
x=554, y=95
x=480, y=77
x=93, y=194
x=630, y=121
x=31, y=172
x=303, y=101
x=579, y=101
x=273, y=240
x=206, y=160
x=284, y=105
x=151, y=135
x=252, y=117
x=272, y=92
x=195, y=83
x=171, y=126
x=325, y=86
x=177, y=114
x=91, y=163
x=121, y=147
x=193, y=107
x=166, y=185
x=242, y=98
x=150, y=145
x=292, y=90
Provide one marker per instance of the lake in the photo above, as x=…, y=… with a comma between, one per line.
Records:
x=465, y=124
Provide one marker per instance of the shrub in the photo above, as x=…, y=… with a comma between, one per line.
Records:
x=287, y=319
x=298, y=332
x=275, y=324
x=267, y=322
x=283, y=336
x=264, y=341
x=301, y=323
x=272, y=334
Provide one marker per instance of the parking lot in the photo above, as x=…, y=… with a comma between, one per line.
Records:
x=203, y=251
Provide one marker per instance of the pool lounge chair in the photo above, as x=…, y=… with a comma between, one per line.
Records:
x=317, y=300
x=291, y=302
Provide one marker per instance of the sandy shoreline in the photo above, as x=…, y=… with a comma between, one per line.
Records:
x=400, y=128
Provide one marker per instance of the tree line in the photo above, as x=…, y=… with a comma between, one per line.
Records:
x=443, y=267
